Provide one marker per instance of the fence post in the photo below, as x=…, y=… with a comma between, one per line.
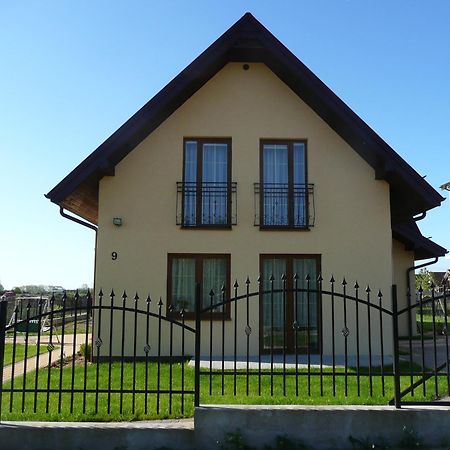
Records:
x=3, y=310
x=197, y=344
x=397, y=397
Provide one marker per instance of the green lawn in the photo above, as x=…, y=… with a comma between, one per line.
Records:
x=20, y=352
x=216, y=398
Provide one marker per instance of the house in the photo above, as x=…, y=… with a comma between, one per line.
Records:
x=441, y=279
x=246, y=164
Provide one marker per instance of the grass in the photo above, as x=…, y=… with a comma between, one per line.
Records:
x=38, y=402
x=20, y=352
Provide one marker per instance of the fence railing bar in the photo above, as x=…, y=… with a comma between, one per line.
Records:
x=170, y=362
x=247, y=329
x=98, y=344
x=320, y=312
x=87, y=353
x=135, y=332
x=25, y=361
x=396, y=365
x=182, y=356
x=198, y=328
x=223, y=290
x=122, y=351
x=259, y=349
x=346, y=334
x=291, y=373
x=271, y=279
x=380, y=297
x=422, y=344
x=36, y=377
x=285, y=321
x=433, y=309
x=410, y=335
x=116, y=308
x=425, y=301
x=50, y=349
x=423, y=379
x=111, y=323
x=358, y=379
x=158, y=375
x=147, y=351
x=325, y=293
x=369, y=328
x=211, y=302
x=308, y=330
x=236, y=285
x=296, y=325
x=3, y=313
x=333, y=338
x=14, y=361
x=62, y=352
x=446, y=342
x=74, y=350
x=105, y=391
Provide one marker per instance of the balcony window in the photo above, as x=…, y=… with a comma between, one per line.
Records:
x=206, y=189
x=284, y=192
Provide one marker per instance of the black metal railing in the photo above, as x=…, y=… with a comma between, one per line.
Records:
x=118, y=357
x=206, y=204
x=424, y=345
x=281, y=205
x=301, y=338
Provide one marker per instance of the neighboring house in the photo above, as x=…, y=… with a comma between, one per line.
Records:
x=442, y=280
x=247, y=164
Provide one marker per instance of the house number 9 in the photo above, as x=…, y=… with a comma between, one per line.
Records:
x=114, y=256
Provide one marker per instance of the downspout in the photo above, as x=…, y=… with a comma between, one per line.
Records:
x=408, y=289
x=87, y=225
x=76, y=220
x=92, y=227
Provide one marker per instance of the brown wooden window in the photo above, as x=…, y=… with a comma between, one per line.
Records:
x=206, y=189
x=297, y=314
x=283, y=188
x=186, y=270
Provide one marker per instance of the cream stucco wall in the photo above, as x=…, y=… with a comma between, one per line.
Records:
x=352, y=231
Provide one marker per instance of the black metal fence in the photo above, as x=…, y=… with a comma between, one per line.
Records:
x=275, y=341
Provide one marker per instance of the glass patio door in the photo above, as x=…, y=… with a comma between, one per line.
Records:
x=288, y=316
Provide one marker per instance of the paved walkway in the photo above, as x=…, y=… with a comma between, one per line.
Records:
x=428, y=351
x=19, y=367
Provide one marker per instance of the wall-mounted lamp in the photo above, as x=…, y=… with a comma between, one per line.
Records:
x=117, y=221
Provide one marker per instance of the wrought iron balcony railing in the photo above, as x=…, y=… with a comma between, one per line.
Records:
x=280, y=205
x=206, y=204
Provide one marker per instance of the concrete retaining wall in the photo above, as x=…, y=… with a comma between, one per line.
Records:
x=316, y=427
x=173, y=434
x=325, y=427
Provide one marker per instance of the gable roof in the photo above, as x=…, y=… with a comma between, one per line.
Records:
x=248, y=41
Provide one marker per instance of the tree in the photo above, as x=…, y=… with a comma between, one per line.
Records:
x=424, y=278
x=2, y=289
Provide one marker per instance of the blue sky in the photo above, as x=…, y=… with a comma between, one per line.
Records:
x=72, y=72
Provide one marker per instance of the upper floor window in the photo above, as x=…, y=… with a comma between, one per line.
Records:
x=283, y=189
x=206, y=189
